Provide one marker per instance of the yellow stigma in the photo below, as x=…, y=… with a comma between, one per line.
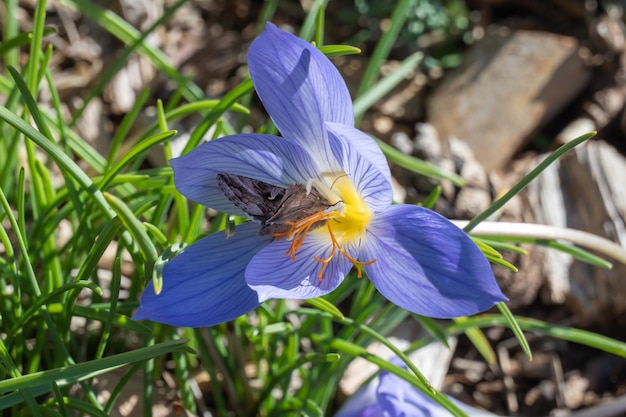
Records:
x=346, y=221
x=352, y=215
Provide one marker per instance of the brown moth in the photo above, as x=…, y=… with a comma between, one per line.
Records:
x=270, y=205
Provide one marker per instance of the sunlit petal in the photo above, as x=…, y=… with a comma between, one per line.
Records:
x=362, y=159
x=399, y=398
x=272, y=273
x=427, y=265
x=265, y=158
x=300, y=88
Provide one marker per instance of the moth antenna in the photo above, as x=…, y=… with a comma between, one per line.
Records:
x=337, y=178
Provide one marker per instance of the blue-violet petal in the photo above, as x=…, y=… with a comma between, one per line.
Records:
x=272, y=273
x=300, y=89
x=204, y=285
x=425, y=264
x=266, y=158
x=362, y=159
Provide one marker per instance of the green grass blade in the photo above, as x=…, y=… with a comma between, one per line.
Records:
x=15, y=42
x=578, y=253
x=129, y=119
x=583, y=337
x=319, y=25
x=136, y=229
x=356, y=350
x=417, y=165
x=89, y=369
x=554, y=237
x=133, y=153
x=384, y=45
x=39, y=18
x=497, y=205
x=375, y=93
x=10, y=33
x=45, y=300
x=310, y=22
x=59, y=157
x=338, y=50
x=226, y=103
x=517, y=331
x=326, y=306
x=480, y=342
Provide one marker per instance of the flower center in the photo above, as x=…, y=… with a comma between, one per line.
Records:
x=346, y=220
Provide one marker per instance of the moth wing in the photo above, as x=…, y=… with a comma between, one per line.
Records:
x=256, y=198
x=297, y=204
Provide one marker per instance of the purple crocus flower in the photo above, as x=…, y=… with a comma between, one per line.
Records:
x=393, y=396
x=320, y=197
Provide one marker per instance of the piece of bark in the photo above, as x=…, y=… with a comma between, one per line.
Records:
x=585, y=191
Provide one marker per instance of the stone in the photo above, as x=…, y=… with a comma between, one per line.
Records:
x=510, y=84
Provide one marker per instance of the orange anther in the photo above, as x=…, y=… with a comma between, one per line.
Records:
x=298, y=231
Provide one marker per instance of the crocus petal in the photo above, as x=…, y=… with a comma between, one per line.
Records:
x=204, y=285
x=300, y=88
x=392, y=396
x=363, y=403
x=273, y=274
x=362, y=159
x=266, y=158
x=399, y=398
x=427, y=265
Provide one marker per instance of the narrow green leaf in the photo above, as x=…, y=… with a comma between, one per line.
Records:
x=487, y=250
x=384, y=45
x=480, y=342
x=71, y=373
x=67, y=165
x=583, y=337
x=136, y=229
x=39, y=18
x=226, y=103
x=500, y=261
x=319, y=25
x=517, y=331
x=431, y=199
x=310, y=22
x=497, y=205
x=431, y=326
x=45, y=300
x=22, y=39
x=578, y=253
x=338, y=50
x=326, y=306
x=421, y=384
x=127, y=123
x=417, y=165
x=376, y=92
x=10, y=31
x=119, y=320
x=133, y=153
x=498, y=245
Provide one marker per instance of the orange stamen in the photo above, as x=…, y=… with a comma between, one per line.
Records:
x=298, y=231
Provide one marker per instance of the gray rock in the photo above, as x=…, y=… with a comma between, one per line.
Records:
x=510, y=84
